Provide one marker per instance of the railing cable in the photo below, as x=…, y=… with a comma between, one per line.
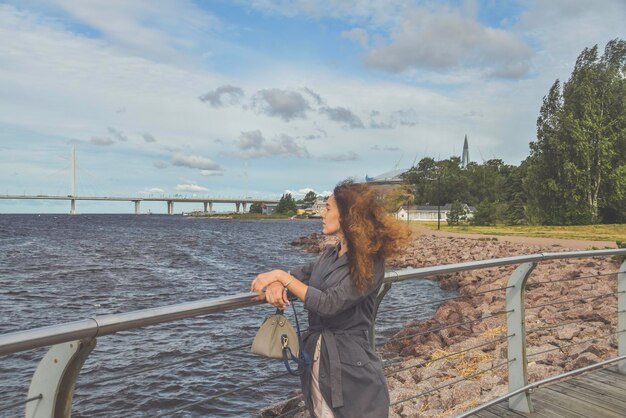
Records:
x=572, y=300
x=568, y=279
x=469, y=295
x=561, y=347
x=20, y=403
x=458, y=324
x=537, y=329
x=174, y=363
x=221, y=394
x=452, y=383
x=424, y=363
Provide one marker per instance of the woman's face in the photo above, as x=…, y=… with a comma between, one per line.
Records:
x=330, y=217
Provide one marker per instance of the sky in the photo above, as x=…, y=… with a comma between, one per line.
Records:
x=257, y=98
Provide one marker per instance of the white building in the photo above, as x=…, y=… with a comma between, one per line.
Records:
x=429, y=212
x=318, y=205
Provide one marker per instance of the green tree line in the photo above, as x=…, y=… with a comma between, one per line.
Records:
x=576, y=170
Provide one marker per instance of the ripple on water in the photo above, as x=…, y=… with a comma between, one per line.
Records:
x=56, y=269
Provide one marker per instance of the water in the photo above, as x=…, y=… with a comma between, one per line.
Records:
x=61, y=268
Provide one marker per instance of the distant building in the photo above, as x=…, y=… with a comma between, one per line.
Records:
x=393, y=177
x=268, y=208
x=429, y=212
x=319, y=204
x=384, y=183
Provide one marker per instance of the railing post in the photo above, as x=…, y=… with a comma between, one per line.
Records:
x=621, y=317
x=516, y=328
x=379, y=298
x=55, y=378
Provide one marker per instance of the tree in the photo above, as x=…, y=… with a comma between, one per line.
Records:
x=286, y=205
x=514, y=197
x=256, y=208
x=456, y=214
x=577, y=164
x=487, y=213
x=401, y=195
x=422, y=179
x=310, y=198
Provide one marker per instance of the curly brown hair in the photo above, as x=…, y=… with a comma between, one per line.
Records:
x=369, y=232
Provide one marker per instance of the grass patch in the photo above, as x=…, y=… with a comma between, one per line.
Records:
x=600, y=232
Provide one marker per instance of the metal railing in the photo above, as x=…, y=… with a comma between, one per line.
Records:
x=52, y=386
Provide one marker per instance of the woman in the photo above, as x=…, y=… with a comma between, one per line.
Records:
x=339, y=289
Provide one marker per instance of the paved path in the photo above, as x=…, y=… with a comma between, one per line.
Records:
x=574, y=244
x=597, y=394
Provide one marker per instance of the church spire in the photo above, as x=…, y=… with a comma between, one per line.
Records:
x=465, y=157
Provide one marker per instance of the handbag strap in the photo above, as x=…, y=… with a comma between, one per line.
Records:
x=303, y=359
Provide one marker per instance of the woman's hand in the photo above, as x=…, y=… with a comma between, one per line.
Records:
x=276, y=295
x=270, y=283
x=263, y=280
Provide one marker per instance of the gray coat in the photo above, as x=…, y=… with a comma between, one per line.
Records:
x=351, y=374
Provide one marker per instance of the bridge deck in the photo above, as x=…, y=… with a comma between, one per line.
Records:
x=597, y=394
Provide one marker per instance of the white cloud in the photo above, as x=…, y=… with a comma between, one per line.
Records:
x=252, y=144
x=348, y=156
x=284, y=104
x=148, y=137
x=159, y=164
x=190, y=187
x=194, y=161
x=427, y=40
x=357, y=35
x=153, y=190
x=118, y=134
x=101, y=140
x=223, y=96
x=144, y=28
x=343, y=116
x=300, y=193
x=316, y=97
x=208, y=173
x=379, y=12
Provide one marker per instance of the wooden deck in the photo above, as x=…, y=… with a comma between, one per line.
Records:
x=597, y=394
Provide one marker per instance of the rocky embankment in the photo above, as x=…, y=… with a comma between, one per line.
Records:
x=571, y=318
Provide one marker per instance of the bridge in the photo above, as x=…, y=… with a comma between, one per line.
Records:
x=240, y=203
x=594, y=391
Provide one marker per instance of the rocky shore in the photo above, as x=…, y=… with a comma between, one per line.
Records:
x=560, y=337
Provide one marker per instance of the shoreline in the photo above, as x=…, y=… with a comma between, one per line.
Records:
x=578, y=334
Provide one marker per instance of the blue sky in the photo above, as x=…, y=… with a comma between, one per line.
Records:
x=234, y=98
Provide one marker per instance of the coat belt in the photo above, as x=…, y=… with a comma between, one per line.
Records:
x=330, y=342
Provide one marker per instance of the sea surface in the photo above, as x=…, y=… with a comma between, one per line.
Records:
x=62, y=268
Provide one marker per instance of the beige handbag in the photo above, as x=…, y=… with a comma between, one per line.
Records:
x=275, y=334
